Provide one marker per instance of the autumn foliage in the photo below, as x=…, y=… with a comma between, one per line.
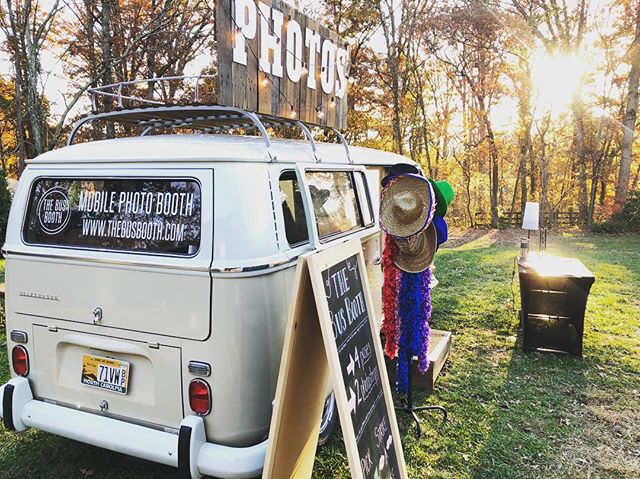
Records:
x=511, y=101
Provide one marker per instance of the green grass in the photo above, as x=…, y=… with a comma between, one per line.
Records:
x=511, y=415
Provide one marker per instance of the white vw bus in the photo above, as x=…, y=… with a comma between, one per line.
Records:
x=148, y=280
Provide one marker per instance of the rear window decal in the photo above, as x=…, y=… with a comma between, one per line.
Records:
x=53, y=210
x=135, y=215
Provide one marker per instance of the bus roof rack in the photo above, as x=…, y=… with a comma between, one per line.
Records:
x=151, y=114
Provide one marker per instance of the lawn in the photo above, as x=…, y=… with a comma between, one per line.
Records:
x=511, y=415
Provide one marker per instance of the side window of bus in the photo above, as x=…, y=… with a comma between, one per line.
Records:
x=335, y=203
x=295, y=221
x=364, y=197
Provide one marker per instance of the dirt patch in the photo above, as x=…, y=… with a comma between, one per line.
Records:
x=509, y=237
x=462, y=236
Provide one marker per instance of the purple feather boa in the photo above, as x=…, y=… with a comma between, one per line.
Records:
x=425, y=330
x=414, y=305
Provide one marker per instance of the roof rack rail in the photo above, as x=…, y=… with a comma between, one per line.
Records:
x=115, y=90
x=196, y=117
x=152, y=114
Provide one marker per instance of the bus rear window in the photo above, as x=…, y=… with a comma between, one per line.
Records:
x=161, y=216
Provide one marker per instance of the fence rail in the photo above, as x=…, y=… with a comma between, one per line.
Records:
x=553, y=219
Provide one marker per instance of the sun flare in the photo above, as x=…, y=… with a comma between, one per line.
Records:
x=556, y=78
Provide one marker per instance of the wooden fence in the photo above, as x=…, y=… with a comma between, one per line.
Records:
x=552, y=219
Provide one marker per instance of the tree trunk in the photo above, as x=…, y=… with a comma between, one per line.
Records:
x=544, y=173
x=635, y=179
x=92, y=57
x=467, y=185
x=596, y=169
x=544, y=182
x=425, y=133
x=525, y=149
x=20, y=136
x=494, y=171
x=533, y=177
x=580, y=159
x=494, y=185
x=466, y=164
x=629, y=121
x=525, y=121
x=4, y=166
x=106, y=44
x=513, y=197
x=443, y=153
x=397, y=131
x=34, y=102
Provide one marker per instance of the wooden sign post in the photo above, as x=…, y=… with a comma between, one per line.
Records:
x=341, y=315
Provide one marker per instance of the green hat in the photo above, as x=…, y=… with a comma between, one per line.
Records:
x=444, y=195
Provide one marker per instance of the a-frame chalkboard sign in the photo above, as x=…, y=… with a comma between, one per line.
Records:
x=331, y=326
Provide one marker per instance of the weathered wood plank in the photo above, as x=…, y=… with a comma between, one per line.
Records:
x=312, y=99
x=223, y=33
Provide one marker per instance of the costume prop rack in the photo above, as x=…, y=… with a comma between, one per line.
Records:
x=409, y=406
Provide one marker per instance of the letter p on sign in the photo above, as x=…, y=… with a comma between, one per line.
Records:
x=245, y=16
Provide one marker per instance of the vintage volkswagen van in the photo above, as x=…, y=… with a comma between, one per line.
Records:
x=148, y=281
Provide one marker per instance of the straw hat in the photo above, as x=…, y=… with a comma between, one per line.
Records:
x=407, y=206
x=415, y=254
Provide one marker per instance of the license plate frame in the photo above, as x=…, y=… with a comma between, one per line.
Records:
x=107, y=374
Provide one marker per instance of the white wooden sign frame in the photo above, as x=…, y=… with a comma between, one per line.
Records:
x=291, y=452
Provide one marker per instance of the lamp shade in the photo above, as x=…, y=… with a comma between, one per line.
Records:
x=530, y=217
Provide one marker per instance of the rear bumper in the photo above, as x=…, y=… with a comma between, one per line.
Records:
x=188, y=451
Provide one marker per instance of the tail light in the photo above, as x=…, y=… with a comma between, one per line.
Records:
x=20, y=360
x=200, y=397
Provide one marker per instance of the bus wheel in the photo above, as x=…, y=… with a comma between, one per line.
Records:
x=329, y=420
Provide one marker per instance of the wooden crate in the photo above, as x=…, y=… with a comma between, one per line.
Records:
x=439, y=348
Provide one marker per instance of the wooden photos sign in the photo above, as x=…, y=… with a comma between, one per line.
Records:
x=332, y=299
x=274, y=60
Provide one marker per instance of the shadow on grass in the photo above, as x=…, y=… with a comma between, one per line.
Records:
x=36, y=454
x=531, y=420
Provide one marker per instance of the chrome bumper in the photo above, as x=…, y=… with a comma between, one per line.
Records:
x=189, y=450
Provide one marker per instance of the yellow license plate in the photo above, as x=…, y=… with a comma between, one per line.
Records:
x=105, y=373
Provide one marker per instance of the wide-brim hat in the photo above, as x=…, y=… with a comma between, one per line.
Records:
x=415, y=254
x=444, y=195
x=442, y=230
x=407, y=206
